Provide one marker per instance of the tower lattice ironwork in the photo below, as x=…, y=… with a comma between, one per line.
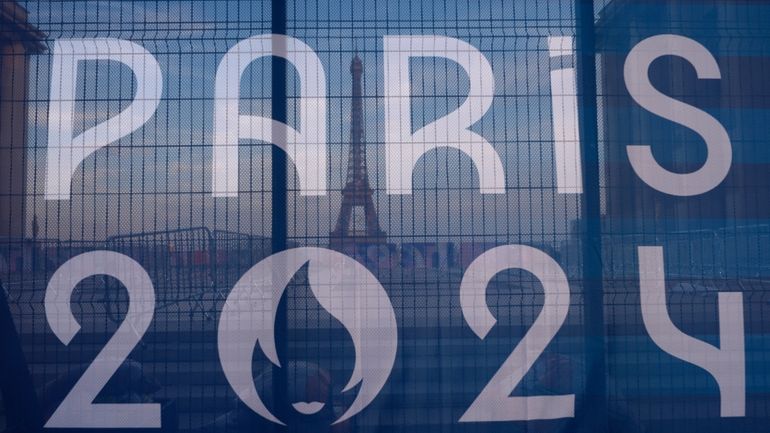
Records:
x=357, y=193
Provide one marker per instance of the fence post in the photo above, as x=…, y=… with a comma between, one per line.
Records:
x=593, y=412
x=279, y=229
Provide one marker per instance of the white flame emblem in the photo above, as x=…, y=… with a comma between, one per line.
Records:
x=344, y=287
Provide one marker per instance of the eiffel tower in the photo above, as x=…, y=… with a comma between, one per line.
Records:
x=357, y=193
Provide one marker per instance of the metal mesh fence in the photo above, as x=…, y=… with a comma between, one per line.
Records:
x=149, y=195
x=712, y=242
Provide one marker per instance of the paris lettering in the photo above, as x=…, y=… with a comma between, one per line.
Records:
x=403, y=148
x=342, y=285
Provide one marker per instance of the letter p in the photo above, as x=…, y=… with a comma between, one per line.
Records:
x=65, y=152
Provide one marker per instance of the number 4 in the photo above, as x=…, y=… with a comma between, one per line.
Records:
x=727, y=363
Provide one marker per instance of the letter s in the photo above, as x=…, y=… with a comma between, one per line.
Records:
x=636, y=76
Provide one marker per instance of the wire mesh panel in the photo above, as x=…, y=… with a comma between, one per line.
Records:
x=449, y=213
x=226, y=216
x=711, y=254
x=146, y=196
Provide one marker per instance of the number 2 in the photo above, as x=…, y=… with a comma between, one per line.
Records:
x=78, y=409
x=494, y=403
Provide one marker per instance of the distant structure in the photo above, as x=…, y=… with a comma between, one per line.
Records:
x=358, y=223
x=18, y=39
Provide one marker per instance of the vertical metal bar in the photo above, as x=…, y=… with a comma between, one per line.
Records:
x=279, y=194
x=592, y=415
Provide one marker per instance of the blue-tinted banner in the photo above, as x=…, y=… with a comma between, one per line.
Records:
x=232, y=216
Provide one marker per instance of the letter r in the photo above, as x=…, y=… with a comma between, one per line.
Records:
x=405, y=148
